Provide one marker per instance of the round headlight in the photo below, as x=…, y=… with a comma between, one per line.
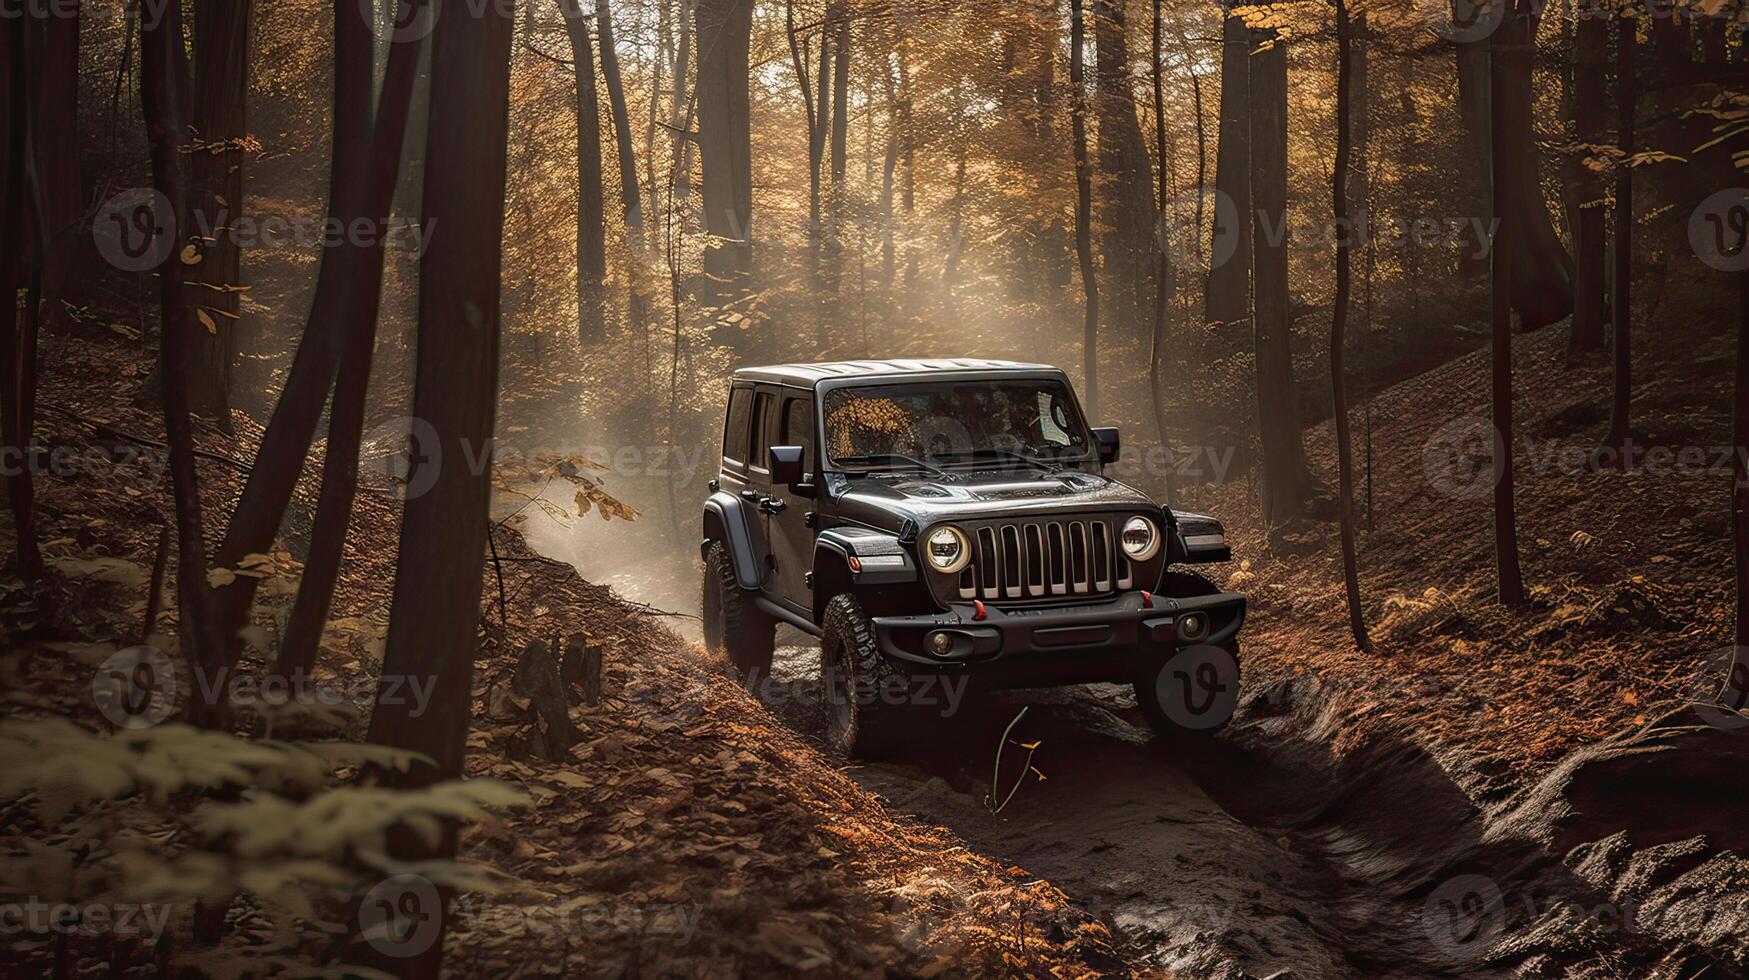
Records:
x=947, y=549
x=1140, y=539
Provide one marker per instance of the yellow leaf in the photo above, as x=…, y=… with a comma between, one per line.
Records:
x=190, y=255
x=1630, y=697
x=207, y=322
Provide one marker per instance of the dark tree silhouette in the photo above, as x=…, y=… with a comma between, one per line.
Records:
x=222, y=30
x=1126, y=207
x=1622, y=288
x=1338, y=321
x=17, y=352
x=724, y=32
x=1084, y=208
x=1504, y=48
x=1229, y=283
x=591, y=207
x=1588, y=113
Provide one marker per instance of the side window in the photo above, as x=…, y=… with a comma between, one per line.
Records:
x=798, y=428
x=735, y=432
x=761, y=430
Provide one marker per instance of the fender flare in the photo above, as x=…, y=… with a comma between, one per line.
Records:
x=725, y=520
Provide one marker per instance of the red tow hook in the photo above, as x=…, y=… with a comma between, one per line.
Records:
x=1147, y=599
x=978, y=611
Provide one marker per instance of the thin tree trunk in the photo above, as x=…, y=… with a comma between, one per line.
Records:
x=908, y=192
x=591, y=220
x=889, y=259
x=309, y=613
x=222, y=30
x=1126, y=194
x=798, y=53
x=1228, y=298
x=1287, y=483
x=163, y=92
x=1505, y=188
x=16, y=369
x=1622, y=293
x=1163, y=270
x=682, y=113
x=1084, y=210
x=435, y=613
x=838, y=29
x=1339, y=320
x=1588, y=112
x=630, y=194
x=1740, y=464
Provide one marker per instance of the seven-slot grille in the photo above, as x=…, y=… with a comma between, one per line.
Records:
x=1044, y=559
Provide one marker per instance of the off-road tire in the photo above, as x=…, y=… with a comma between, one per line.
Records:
x=859, y=723
x=733, y=626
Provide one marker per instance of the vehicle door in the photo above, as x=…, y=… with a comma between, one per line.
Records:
x=790, y=525
x=742, y=435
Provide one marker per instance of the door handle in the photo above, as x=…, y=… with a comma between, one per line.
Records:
x=772, y=505
x=750, y=495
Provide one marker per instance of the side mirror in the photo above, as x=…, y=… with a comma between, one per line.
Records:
x=1109, y=444
x=785, y=463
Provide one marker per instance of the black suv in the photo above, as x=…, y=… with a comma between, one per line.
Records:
x=950, y=517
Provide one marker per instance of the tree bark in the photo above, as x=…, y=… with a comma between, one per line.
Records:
x=163, y=95
x=591, y=205
x=1164, y=280
x=1339, y=320
x=725, y=29
x=1542, y=272
x=222, y=31
x=1506, y=241
x=1229, y=284
x=435, y=613
x=1622, y=291
x=1588, y=112
x=1084, y=210
x=1740, y=464
x=309, y=613
x=17, y=370
x=1286, y=481
x=1126, y=199
x=798, y=53
x=838, y=28
x=682, y=148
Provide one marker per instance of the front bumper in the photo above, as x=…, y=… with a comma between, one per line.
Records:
x=1107, y=640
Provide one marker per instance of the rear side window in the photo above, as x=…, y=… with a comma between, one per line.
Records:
x=798, y=428
x=735, y=435
x=761, y=430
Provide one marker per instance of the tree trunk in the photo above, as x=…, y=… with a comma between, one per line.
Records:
x=1740, y=464
x=1339, y=320
x=908, y=193
x=889, y=260
x=1542, y=272
x=1588, y=112
x=591, y=220
x=725, y=29
x=1506, y=241
x=17, y=372
x=1126, y=199
x=1286, y=482
x=163, y=94
x=798, y=53
x=1164, y=280
x=838, y=29
x=630, y=194
x=682, y=148
x=1229, y=283
x=1084, y=210
x=309, y=612
x=1622, y=293
x=222, y=30
x=435, y=613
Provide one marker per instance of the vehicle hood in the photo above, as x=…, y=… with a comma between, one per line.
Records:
x=963, y=495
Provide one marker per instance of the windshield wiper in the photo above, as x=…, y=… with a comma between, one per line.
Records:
x=893, y=458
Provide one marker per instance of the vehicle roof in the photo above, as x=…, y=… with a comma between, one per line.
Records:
x=807, y=375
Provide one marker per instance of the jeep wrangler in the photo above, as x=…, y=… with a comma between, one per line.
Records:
x=931, y=517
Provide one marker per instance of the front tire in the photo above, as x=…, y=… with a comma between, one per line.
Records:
x=854, y=673
x=733, y=626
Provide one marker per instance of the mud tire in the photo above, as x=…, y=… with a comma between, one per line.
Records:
x=859, y=725
x=734, y=627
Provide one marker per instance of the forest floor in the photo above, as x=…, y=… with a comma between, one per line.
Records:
x=694, y=831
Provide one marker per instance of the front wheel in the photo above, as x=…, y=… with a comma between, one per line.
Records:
x=854, y=675
x=733, y=626
x=1194, y=691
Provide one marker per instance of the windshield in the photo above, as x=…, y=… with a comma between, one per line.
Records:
x=948, y=422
